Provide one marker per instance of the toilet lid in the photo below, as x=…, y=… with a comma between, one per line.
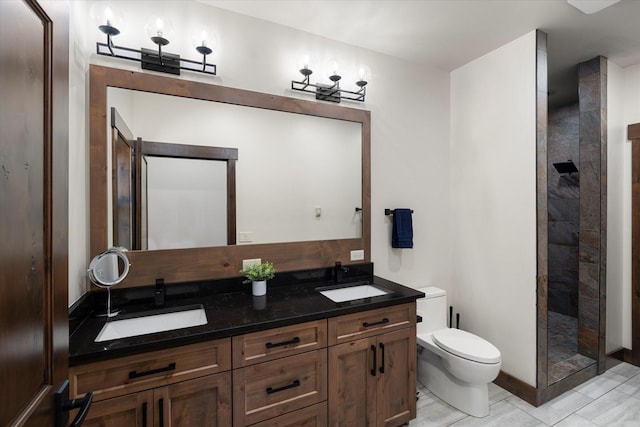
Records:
x=466, y=345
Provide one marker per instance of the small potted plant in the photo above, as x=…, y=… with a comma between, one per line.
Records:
x=258, y=274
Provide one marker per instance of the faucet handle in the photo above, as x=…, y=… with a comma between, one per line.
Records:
x=159, y=293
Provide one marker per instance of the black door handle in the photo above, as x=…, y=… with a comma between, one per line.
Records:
x=136, y=374
x=382, y=364
x=271, y=390
x=373, y=365
x=295, y=340
x=381, y=322
x=64, y=405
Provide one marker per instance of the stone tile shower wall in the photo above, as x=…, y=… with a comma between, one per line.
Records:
x=592, y=91
x=563, y=144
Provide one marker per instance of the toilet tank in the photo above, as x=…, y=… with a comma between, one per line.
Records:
x=433, y=309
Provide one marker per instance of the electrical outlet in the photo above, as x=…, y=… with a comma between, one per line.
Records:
x=245, y=236
x=357, y=255
x=249, y=262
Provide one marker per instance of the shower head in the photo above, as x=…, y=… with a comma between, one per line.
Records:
x=567, y=167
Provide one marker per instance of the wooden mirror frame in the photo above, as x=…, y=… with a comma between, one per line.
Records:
x=182, y=265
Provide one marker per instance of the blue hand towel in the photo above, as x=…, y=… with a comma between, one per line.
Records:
x=402, y=233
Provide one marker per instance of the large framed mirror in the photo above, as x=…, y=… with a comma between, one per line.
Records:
x=308, y=140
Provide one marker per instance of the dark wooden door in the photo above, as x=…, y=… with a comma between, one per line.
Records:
x=131, y=410
x=33, y=208
x=123, y=157
x=396, y=399
x=353, y=379
x=202, y=401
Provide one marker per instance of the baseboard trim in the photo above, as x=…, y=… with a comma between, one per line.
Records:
x=623, y=355
x=517, y=387
x=537, y=397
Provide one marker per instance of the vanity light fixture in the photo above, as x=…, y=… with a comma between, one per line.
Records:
x=159, y=31
x=332, y=92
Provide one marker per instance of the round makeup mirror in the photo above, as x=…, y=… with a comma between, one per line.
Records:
x=108, y=269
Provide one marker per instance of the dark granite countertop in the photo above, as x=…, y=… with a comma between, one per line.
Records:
x=230, y=310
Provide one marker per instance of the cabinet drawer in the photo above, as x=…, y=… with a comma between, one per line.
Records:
x=263, y=346
x=372, y=322
x=312, y=416
x=130, y=374
x=270, y=389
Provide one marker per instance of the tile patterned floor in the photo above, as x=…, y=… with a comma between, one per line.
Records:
x=562, y=340
x=611, y=399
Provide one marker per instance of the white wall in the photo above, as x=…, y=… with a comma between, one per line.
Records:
x=409, y=108
x=493, y=188
x=623, y=91
x=78, y=153
x=618, y=279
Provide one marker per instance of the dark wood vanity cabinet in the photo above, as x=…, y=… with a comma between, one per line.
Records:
x=203, y=401
x=352, y=370
x=373, y=367
x=183, y=386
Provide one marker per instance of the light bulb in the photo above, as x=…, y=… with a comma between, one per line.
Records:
x=364, y=74
x=204, y=41
x=304, y=64
x=333, y=69
x=108, y=18
x=159, y=30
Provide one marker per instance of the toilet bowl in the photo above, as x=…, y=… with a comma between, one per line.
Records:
x=453, y=364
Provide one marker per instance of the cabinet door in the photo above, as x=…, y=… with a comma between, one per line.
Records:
x=135, y=410
x=202, y=402
x=396, y=399
x=353, y=375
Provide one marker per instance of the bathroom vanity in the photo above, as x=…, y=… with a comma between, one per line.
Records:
x=295, y=357
x=292, y=358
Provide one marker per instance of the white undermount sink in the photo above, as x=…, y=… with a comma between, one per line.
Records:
x=355, y=292
x=148, y=324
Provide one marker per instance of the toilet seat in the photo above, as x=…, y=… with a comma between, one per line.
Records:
x=466, y=345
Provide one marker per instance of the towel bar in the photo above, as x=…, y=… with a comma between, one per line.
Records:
x=391, y=211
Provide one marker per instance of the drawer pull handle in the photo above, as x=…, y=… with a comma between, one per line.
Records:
x=382, y=364
x=295, y=340
x=373, y=365
x=271, y=390
x=381, y=322
x=136, y=374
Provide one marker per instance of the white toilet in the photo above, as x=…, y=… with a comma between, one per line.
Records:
x=453, y=364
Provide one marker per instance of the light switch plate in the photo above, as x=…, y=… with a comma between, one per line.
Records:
x=249, y=262
x=357, y=255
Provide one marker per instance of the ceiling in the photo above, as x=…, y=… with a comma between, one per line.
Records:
x=449, y=33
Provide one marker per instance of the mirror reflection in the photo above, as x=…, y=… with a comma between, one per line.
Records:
x=109, y=268
x=298, y=177
x=188, y=202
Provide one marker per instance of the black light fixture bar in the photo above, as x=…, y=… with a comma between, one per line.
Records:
x=152, y=60
x=332, y=93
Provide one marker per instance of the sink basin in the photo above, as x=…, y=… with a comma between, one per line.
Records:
x=150, y=323
x=354, y=292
